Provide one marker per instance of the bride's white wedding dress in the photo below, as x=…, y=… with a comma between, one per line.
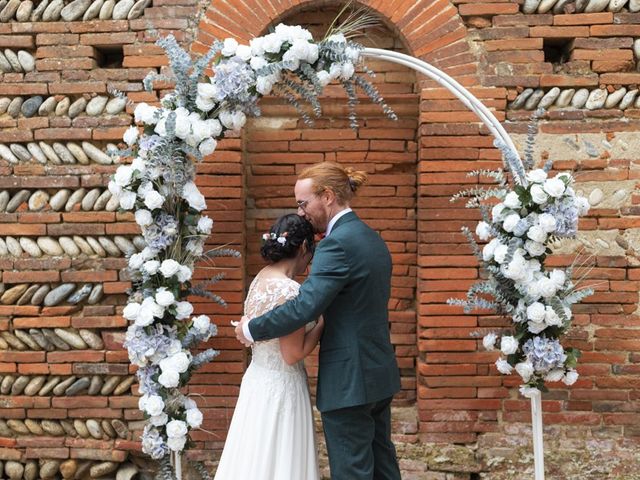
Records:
x=271, y=436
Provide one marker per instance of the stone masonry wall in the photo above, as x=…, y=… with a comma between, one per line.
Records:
x=67, y=397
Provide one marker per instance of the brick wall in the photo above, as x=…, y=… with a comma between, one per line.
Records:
x=451, y=392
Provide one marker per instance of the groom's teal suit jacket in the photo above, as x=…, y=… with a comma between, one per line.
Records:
x=349, y=283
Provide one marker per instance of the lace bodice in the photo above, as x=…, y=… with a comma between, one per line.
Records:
x=265, y=294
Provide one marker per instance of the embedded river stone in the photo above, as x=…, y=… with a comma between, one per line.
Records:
x=628, y=99
x=102, y=201
x=14, y=341
x=62, y=108
x=13, y=294
x=5, y=66
x=121, y=428
x=138, y=9
x=4, y=251
x=13, y=246
x=69, y=468
x=48, y=106
x=59, y=294
x=52, y=12
x=4, y=200
x=38, y=297
x=596, y=99
x=34, y=385
x=580, y=98
x=63, y=153
x=93, y=11
x=92, y=339
x=124, y=385
x=102, y=469
x=110, y=384
x=107, y=10
x=31, y=247
x=52, y=428
x=21, y=152
x=94, y=429
x=77, y=107
x=18, y=426
x=71, y=338
x=109, y=246
x=75, y=198
x=4, y=104
x=25, y=338
x=36, y=152
x=614, y=97
x=19, y=385
x=96, y=105
x=59, y=199
x=31, y=106
x=34, y=426
x=31, y=470
x=62, y=386
x=90, y=198
x=7, y=154
x=95, y=154
x=113, y=204
x=9, y=10
x=68, y=428
x=96, y=385
x=39, y=337
x=17, y=200
x=14, y=470
x=15, y=106
x=121, y=9
x=115, y=105
x=48, y=387
x=7, y=382
x=108, y=429
x=139, y=242
x=49, y=468
x=13, y=60
x=55, y=340
x=96, y=294
x=50, y=153
x=5, y=431
x=549, y=97
x=81, y=428
x=28, y=63
x=565, y=97
x=125, y=245
x=96, y=247
x=69, y=246
x=74, y=10
x=36, y=15
x=26, y=296
x=38, y=200
x=78, y=386
x=80, y=294
x=83, y=245
x=78, y=153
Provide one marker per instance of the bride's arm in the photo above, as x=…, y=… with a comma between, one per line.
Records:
x=297, y=345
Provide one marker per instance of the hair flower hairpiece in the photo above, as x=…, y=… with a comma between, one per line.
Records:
x=281, y=239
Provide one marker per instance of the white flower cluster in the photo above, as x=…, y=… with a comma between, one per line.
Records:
x=519, y=229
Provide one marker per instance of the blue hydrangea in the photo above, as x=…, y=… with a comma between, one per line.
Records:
x=566, y=214
x=545, y=354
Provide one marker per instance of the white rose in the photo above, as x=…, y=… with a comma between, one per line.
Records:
x=161, y=126
x=496, y=211
x=554, y=187
x=169, y=267
x=214, y=126
x=131, y=135
x=135, y=261
x=205, y=104
x=535, y=249
x=176, y=444
x=178, y=362
x=144, y=317
x=183, y=126
x=517, y=269
x=510, y=222
x=537, y=234
x=183, y=310
x=528, y=392
x=536, y=312
x=512, y=201
x=264, y=84
x=153, y=200
x=508, y=345
x=337, y=38
x=537, y=175
x=184, y=274
x=164, y=297
x=489, y=341
x=352, y=53
x=538, y=194
x=313, y=53
x=547, y=287
x=148, y=253
x=558, y=277
x=127, y=200
x=323, y=78
x=547, y=222
x=207, y=90
x=145, y=113
x=554, y=375
x=189, y=403
x=176, y=429
x=123, y=174
x=483, y=230
x=143, y=217
x=335, y=71
x=503, y=366
x=243, y=52
x=194, y=417
x=193, y=196
x=229, y=47
x=205, y=224
x=201, y=323
x=551, y=318
x=138, y=164
x=154, y=405
x=159, y=420
x=500, y=253
x=258, y=62
x=271, y=43
x=169, y=379
x=130, y=312
x=150, y=304
x=525, y=370
x=151, y=266
x=536, y=327
x=239, y=119
x=583, y=205
x=489, y=249
x=570, y=377
x=207, y=146
x=347, y=71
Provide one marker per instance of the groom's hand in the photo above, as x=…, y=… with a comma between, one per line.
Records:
x=240, y=334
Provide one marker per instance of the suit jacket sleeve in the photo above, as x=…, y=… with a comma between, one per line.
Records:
x=329, y=274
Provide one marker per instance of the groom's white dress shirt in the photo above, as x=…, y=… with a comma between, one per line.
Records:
x=332, y=222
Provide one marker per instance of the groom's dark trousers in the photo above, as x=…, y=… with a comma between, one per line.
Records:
x=350, y=284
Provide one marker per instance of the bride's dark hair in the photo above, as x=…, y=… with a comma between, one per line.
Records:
x=293, y=231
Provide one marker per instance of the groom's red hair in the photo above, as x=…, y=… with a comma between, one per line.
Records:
x=342, y=181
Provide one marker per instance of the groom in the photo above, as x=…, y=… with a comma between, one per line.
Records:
x=349, y=284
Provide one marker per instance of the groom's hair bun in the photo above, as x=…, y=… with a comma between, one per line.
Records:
x=342, y=181
x=295, y=230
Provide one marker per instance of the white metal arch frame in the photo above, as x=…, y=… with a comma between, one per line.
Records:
x=471, y=102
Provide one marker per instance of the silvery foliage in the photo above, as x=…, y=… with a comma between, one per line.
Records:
x=527, y=217
x=158, y=186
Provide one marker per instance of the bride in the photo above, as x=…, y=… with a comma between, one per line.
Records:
x=271, y=436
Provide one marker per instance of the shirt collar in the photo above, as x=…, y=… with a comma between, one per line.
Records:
x=333, y=221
